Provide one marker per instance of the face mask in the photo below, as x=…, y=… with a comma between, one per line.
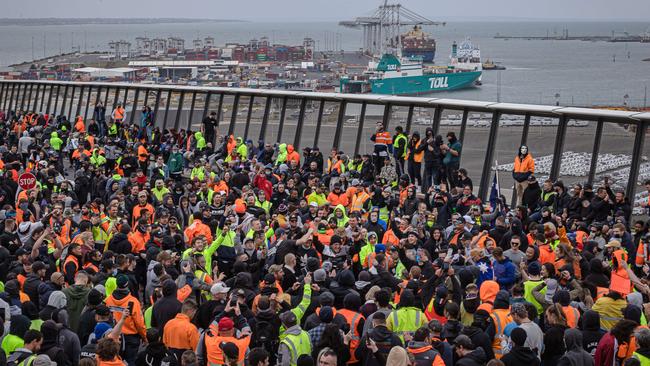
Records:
x=24, y=206
x=142, y=229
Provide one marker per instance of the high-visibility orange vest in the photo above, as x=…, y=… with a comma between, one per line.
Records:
x=572, y=316
x=600, y=292
x=214, y=353
x=79, y=125
x=119, y=113
x=431, y=314
x=642, y=254
x=353, y=318
x=418, y=156
x=71, y=258
x=501, y=318
x=383, y=138
x=143, y=154
x=358, y=201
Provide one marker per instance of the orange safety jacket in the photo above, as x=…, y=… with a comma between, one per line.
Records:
x=500, y=318
x=353, y=318
x=524, y=166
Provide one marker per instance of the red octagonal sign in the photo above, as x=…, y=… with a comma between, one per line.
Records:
x=27, y=181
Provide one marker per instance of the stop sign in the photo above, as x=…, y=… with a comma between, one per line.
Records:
x=27, y=181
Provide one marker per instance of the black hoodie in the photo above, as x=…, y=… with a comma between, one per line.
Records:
x=516, y=228
x=480, y=339
x=591, y=332
x=120, y=244
x=153, y=355
x=432, y=152
x=474, y=358
x=521, y=356
x=385, y=340
x=166, y=308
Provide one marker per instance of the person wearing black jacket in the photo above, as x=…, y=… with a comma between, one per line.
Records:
x=34, y=280
x=167, y=307
x=476, y=332
x=209, y=124
x=601, y=206
x=591, y=331
x=432, y=159
x=532, y=194
x=415, y=148
x=621, y=202
x=155, y=352
x=99, y=115
x=381, y=338
x=520, y=355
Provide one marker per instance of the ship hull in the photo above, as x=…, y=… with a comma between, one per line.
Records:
x=427, y=55
x=424, y=84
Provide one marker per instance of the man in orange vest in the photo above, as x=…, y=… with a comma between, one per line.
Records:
x=133, y=329
x=524, y=167
x=142, y=205
x=500, y=317
x=209, y=350
x=382, y=140
x=355, y=320
x=119, y=114
x=72, y=263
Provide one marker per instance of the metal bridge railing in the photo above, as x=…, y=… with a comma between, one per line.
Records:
x=335, y=120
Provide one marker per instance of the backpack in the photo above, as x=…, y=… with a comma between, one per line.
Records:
x=266, y=336
x=25, y=359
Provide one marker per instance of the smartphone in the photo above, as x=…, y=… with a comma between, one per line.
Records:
x=130, y=307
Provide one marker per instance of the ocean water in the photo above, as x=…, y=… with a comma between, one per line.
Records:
x=582, y=73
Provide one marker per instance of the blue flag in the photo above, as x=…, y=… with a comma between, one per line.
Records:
x=495, y=192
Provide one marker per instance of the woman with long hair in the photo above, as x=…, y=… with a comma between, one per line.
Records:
x=617, y=345
x=565, y=256
x=556, y=325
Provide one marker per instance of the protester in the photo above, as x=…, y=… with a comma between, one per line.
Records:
x=143, y=245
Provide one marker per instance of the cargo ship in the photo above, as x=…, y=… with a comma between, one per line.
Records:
x=393, y=76
x=418, y=44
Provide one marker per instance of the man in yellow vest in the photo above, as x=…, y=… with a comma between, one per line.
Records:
x=399, y=150
x=407, y=318
x=296, y=341
x=642, y=353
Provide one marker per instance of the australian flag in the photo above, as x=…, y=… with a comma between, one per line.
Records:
x=495, y=192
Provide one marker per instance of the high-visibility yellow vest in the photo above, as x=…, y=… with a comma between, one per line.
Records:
x=298, y=345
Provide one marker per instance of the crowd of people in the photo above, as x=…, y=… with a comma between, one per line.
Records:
x=147, y=246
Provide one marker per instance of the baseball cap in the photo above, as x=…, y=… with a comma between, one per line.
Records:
x=226, y=324
x=320, y=275
x=219, y=288
x=21, y=251
x=103, y=310
x=122, y=281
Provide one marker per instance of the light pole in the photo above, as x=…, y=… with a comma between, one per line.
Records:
x=557, y=99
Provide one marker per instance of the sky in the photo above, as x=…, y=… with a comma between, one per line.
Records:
x=327, y=10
